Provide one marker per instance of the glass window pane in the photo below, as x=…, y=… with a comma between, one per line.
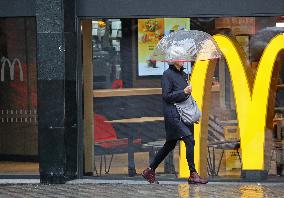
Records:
x=128, y=101
x=18, y=98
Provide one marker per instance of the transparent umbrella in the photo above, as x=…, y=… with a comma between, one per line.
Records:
x=186, y=46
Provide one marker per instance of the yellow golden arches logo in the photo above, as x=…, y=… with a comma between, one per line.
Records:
x=251, y=95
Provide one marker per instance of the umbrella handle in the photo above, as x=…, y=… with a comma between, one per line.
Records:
x=188, y=81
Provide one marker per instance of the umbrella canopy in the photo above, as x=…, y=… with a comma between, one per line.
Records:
x=186, y=46
x=259, y=41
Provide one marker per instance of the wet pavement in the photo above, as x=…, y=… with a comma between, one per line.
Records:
x=125, y=189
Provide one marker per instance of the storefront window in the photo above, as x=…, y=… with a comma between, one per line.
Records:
x=128, y=118
x=18, y=98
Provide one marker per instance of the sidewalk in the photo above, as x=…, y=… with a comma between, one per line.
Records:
x=130, y=188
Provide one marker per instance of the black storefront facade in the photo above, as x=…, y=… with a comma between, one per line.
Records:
x=59, y=72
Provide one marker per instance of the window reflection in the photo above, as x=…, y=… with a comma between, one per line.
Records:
x=18, y=98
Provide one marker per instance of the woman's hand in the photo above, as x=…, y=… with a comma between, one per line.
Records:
x=188, y=89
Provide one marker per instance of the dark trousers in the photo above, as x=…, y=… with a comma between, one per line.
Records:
x=169, y=146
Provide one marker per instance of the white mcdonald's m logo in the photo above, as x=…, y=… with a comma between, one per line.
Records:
x=251, y=97
x=5, y=61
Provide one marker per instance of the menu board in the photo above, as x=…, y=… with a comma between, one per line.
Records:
x=150, y=32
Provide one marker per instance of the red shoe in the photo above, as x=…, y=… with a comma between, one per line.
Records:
x=196, y=179
x=150, y=176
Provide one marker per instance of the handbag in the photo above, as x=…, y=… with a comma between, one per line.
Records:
x=188, y=111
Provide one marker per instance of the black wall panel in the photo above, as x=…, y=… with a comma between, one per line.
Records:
x=12, y=8
x=155, y=8
x=179, y=8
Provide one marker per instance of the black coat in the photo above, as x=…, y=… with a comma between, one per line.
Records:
x=173, y=84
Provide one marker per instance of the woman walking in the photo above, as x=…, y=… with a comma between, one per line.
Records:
x=175, y=89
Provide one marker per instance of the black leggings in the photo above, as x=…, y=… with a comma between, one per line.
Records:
x=169, y=146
